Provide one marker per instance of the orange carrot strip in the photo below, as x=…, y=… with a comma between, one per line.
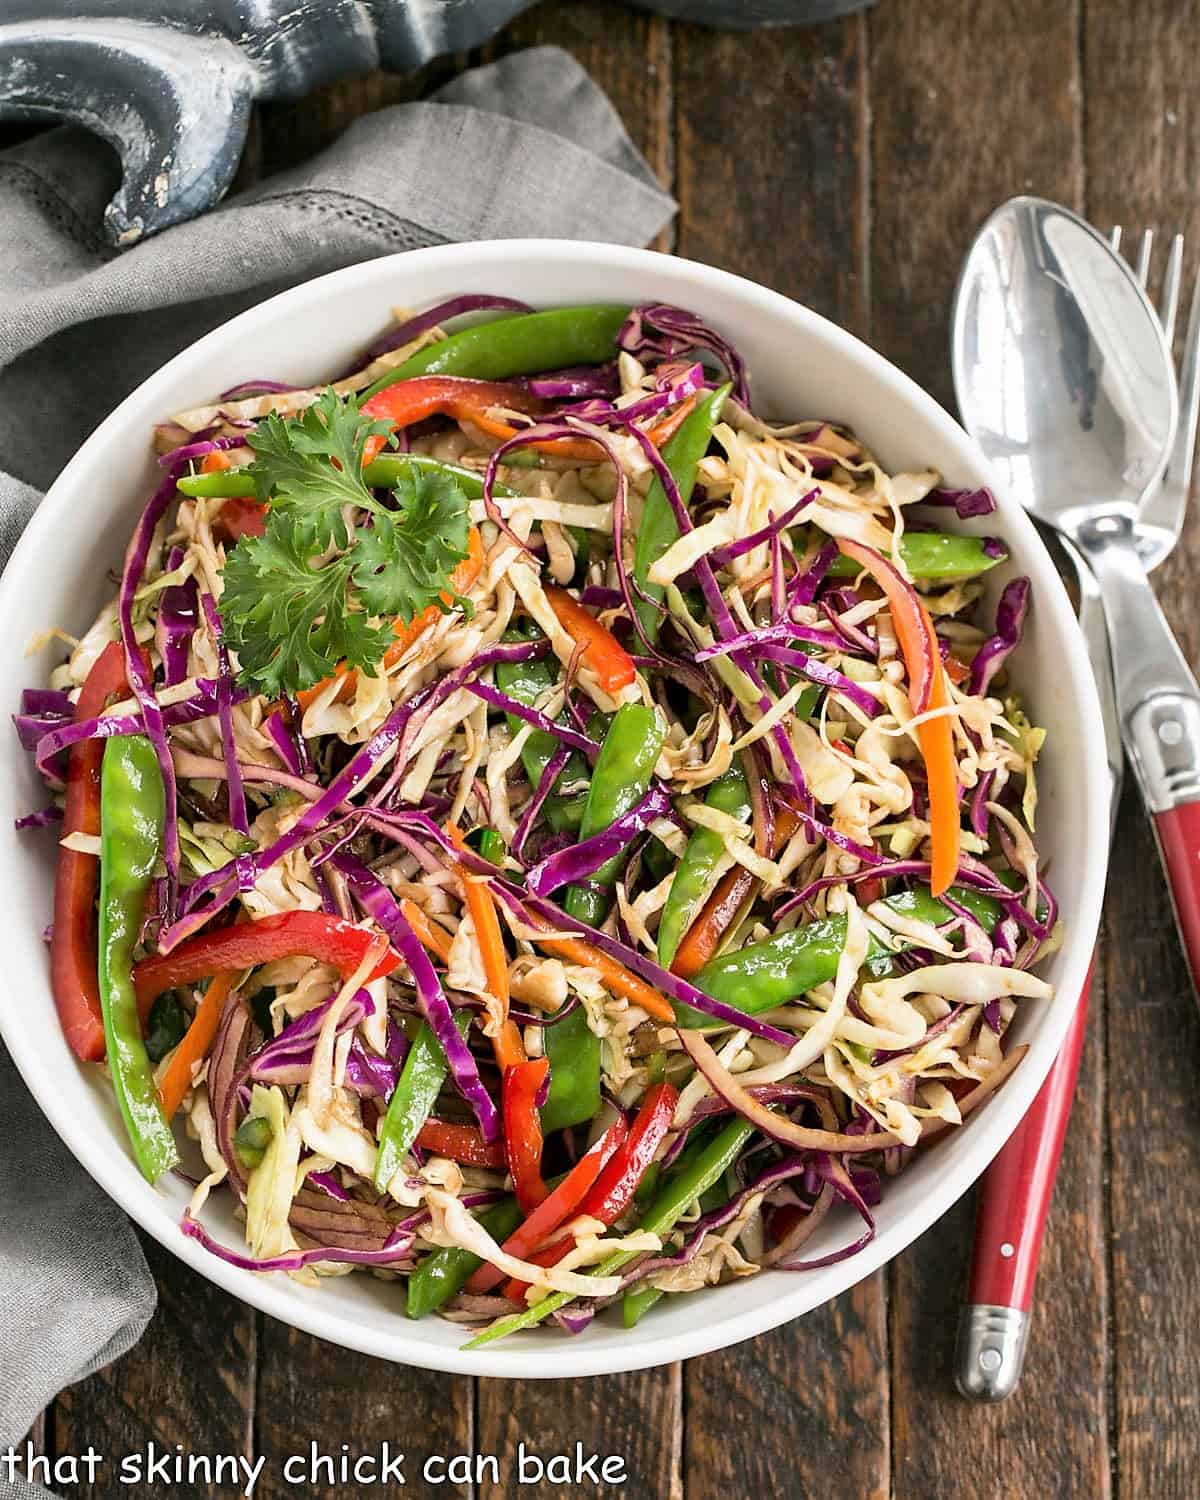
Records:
x=436, y=939
x=481, y=904
x=197, y=1040
x=923, y=659
x=602, y=652
x=613, y=975
x=582, y=449
x=936, y=739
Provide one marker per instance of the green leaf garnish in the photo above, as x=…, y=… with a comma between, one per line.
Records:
x=311, y=464
x=335, y=565
x=432, y=527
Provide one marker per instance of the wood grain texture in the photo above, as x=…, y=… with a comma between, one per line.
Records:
x=970, y=104
x=1142, y=150
x=772, y=162
x=636, y=1416
x=190, y=1380
x=808, y=1401
x=310, y=1391
x=772, y=184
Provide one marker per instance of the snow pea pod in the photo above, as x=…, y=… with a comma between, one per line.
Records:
x=681, y=1190
x=132, y=804
x=413, y=1098
x=777, y=971
x=521, y=345
x=659, y=528
x=637, y=1302
x=382, y=472
x=620, y=778
x=935, y=554
x=527, y=681
x=574, y=1053
x=443, y=1274
x=694, y=874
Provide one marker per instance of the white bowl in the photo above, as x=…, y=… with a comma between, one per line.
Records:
x=800, y=366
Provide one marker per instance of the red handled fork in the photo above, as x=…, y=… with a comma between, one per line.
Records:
x=1015, y=1191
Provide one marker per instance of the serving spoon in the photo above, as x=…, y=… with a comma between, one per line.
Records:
x=1062, y=361
x=1064, y=378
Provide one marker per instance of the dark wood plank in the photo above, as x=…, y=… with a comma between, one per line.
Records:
x=971, y=104
x=771, y=172
x=190, y=1380
x=808, y=1400
x=772, y=184
x=310, y=1391
x=1141, y=144
x=636, y=1417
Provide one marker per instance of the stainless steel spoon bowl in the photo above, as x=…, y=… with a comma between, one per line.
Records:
x=1066, y=381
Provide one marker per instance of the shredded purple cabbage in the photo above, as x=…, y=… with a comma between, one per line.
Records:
x=432, y=317
x=719, y=556
x=583, y=859
x=657, y=329
x=1011, y=613
x=225, y=687
x=967, y=503
x=379, y=903
x=45, y=817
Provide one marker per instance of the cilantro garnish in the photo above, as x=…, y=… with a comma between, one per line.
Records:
x=335, y=565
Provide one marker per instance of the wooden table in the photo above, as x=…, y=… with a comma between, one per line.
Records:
x=847, y=166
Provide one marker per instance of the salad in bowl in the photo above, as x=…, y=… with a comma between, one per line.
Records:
x=536, y=830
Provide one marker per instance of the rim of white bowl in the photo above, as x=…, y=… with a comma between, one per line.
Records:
x=571, y=1359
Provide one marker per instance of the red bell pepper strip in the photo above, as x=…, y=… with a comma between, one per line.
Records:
x=463, y=1143
x=523, y=1130
x=554, y=1211
x=239, y=516
x=73, y=943
x=614, y=1189
x=312, y=933
x=612, y=1192
x=602, y=652
x=410, y=401
x=926, y=690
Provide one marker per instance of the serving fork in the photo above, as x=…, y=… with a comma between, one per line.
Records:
x=1015, y=1191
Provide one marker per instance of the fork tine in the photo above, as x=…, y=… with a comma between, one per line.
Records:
x=1189, y=401
x=1114, y=238
x=1143, y=260
x=1170, y=291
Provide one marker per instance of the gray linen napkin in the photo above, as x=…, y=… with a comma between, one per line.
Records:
x=527, y=146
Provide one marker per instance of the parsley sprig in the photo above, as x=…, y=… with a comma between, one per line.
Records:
x=335, y=565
